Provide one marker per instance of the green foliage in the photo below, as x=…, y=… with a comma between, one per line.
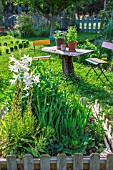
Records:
x=52, y=88
x=11, y=49
x=26, y=29
x=15, y=47
x=0, y=51
x=60, y=34
x=87, y=45
x=20, y=45
x=108, y=31
x=71, y=34
x=20, y=135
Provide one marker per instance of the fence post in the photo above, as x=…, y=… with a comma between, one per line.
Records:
x=61, y=162
x=92, y=23
x=83, y=24
x=97, y=25
x=87, y=25
x=11, y=162
x=78, y=162
x=109, y=164
x=78, y=23
x=44, y=162
x=95, y=161
x=28, y=162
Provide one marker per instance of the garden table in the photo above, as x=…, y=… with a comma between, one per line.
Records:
x=67, y=57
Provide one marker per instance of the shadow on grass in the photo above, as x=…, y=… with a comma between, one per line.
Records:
x=91, y=88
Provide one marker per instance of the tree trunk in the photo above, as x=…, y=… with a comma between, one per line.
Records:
x=1, y=12
x=52, y=24
x=67, y=65
x=104, y=5
x=112, y=14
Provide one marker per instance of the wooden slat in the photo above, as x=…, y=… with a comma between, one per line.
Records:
x=11, y=162
x=96, y=61
x=41, y=42
x=92, y=23
x=28, y=162
x=45, y=162
x=109, y=165
x=41, y=58
x=95, y=161
x=107, y=45
x=87, y=25
x=78, y=162
x=61, y=162
x=83, y=24
x=97, y=24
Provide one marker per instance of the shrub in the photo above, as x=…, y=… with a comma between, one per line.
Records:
x=27, y=42
x=0, y=51
x=17, y=42
x=5, y=44
x=11, y=49
x=20, y=45
x=7, y=50
x=24, y=44
x=26, y=29
x=11, y=42
x=15, y=47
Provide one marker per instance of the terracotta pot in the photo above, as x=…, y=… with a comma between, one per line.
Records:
x=63, y=47
x=2, y=28
x=72, y=46
x=59, y=41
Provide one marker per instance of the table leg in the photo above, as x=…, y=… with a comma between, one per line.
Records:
x=67, y=65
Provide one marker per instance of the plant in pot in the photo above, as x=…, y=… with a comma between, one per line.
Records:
x=59, y=37
x=72, y=38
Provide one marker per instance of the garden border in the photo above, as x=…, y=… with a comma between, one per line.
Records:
x=102, y=161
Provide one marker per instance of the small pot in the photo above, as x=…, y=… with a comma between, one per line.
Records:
x=63, y=47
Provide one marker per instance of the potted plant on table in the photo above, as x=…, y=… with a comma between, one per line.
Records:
x=72, y=38
x=59, y=37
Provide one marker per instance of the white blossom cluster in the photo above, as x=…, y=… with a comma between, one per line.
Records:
x=21, y=72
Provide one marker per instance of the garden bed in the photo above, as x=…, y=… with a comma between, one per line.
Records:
x=95, y=161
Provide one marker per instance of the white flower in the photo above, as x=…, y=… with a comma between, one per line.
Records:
x=12, y=59
x=36, y=79
x=13, y=81
x=26, y=59
x=13, y=68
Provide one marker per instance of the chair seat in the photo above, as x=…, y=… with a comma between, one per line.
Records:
x=41, y=58
x=96, y=61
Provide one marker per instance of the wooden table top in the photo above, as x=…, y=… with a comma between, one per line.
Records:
x=78, y=52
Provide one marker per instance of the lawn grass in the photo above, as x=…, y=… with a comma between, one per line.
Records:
x=80, y=85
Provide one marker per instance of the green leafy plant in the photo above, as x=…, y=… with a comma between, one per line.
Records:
x=20, y=45
x=72, y=34
x=5, y=44
x=108, y=31
x=60, y=34
x=7, y=50
x=0, y=51
x=11, y=49
x=15, y=47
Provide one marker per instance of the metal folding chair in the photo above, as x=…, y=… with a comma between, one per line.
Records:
x=96, y=62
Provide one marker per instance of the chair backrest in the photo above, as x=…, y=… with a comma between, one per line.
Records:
x=41, y=42
x=107, y=45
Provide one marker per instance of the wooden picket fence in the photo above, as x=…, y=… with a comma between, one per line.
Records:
x=88, y=24
x=61, y=162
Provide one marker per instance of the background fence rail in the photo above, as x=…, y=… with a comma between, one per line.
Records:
x=61, y=162
x=88, y=24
